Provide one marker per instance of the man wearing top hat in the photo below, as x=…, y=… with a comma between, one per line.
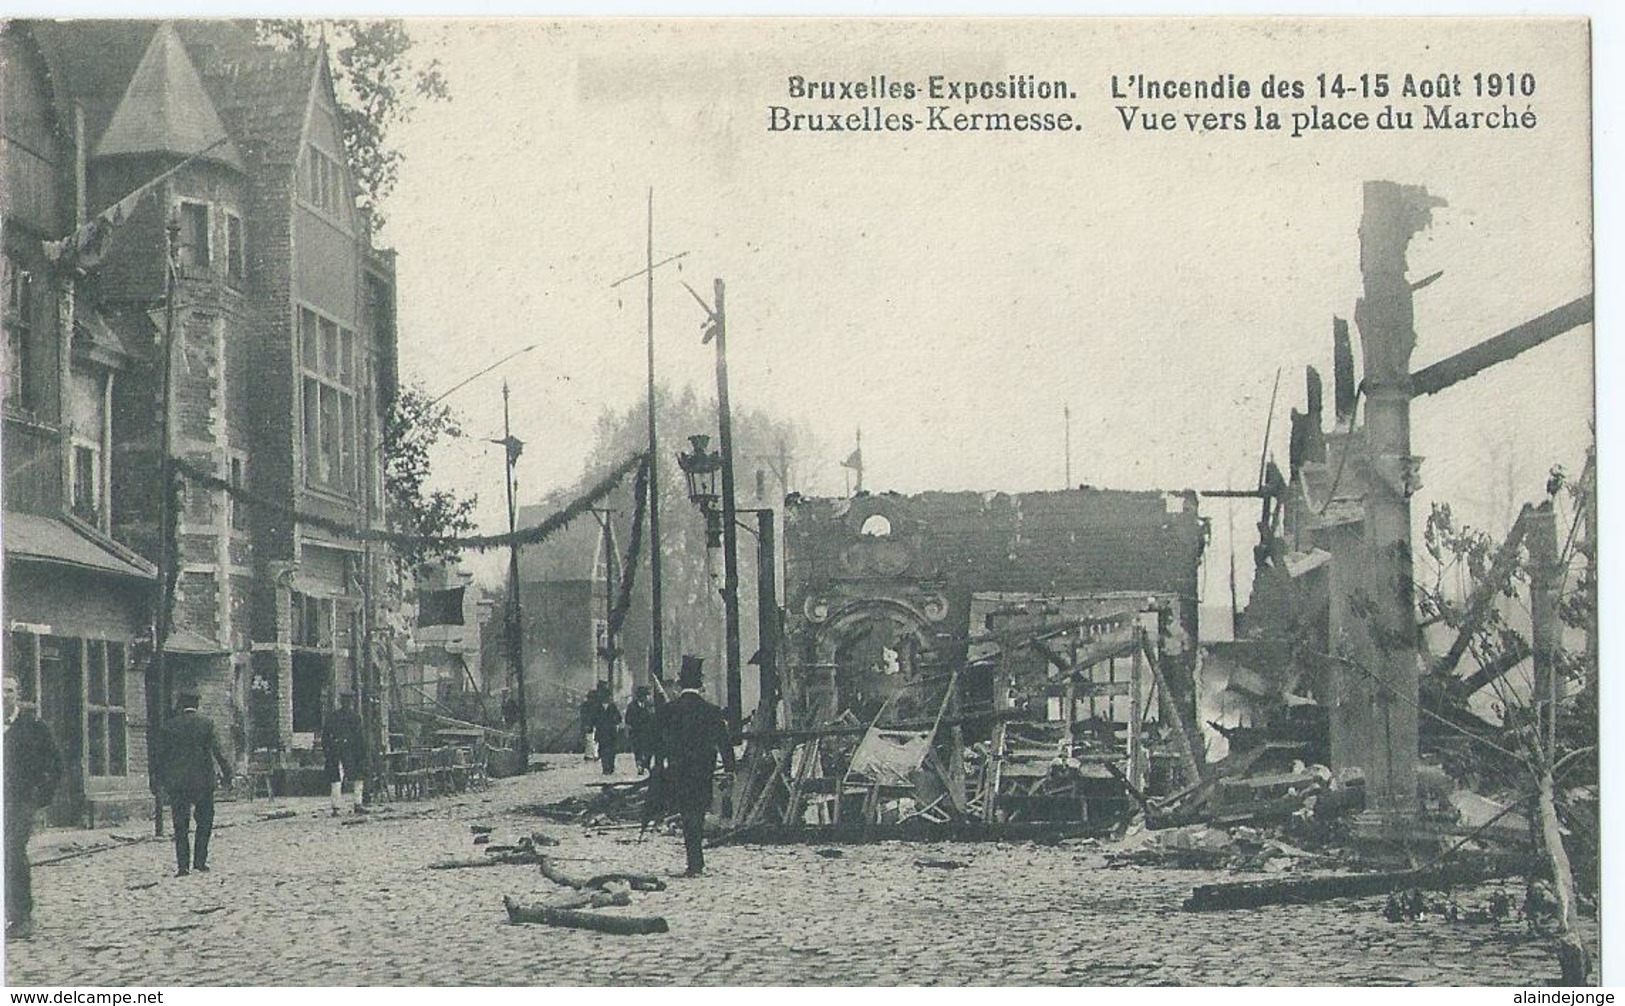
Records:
x=690, y=735
x=190, y=750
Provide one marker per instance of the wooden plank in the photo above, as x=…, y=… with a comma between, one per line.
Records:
x=1306, y=890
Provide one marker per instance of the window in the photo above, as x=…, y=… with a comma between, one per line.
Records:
x=195, y=235
x=324, y=182
x=327, y=356
x=236, y=256
x=106, y=748
x=87, y=483
x=312, y=622
x=19, y=326
x=239, y=484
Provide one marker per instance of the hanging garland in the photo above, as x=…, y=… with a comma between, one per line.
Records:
x=623, y=603
x=479, y=543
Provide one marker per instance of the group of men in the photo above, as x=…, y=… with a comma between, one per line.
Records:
x=679, y=742
x=601, y=728
x=189, y=752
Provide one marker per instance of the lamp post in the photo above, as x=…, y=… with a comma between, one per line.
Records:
x=703, y=469
x=716, y=328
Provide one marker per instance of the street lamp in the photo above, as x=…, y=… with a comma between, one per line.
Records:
x=701, y=469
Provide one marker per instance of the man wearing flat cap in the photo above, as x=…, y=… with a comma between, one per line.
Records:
x=691, y=734
x=191, y=750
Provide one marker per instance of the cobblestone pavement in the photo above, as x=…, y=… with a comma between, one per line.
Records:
x=311, y=900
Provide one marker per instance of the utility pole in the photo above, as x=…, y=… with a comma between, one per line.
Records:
x=730, y=527
x=717, y=328
x=657, y=652
x=768, y=631
x=1066, y=413
x=512, y=447
x=657, y=617
x=158, y=679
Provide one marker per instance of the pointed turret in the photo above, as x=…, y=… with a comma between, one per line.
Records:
x=165, y=109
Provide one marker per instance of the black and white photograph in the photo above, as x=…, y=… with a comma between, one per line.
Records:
x=800, y=502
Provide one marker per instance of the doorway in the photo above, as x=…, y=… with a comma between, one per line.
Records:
x=62, y=710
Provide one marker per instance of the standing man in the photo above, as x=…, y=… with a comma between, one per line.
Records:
x=344, y=752
x=191, y=749
x=640, y=727
x=33, y=767
x=606, y=728
x=589, y=710
x=690, y=735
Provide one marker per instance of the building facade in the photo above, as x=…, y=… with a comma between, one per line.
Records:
x=226, y=158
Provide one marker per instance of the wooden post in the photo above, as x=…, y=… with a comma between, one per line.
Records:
x=1540, y=530
x=1136, y=699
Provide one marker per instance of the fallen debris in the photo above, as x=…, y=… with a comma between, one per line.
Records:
x=1304, y=890
x=941, y=864
x=521, y=854
x=569, y=918
x=635, y=881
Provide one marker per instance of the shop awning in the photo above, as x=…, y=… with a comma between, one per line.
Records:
x=36, y=538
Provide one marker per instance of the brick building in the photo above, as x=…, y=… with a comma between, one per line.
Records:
x=283, y=349
x=880, y=588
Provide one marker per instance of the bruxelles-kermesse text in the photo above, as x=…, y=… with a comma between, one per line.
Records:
x=937, y=118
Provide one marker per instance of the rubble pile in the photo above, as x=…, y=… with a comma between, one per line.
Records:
x=1207, y=847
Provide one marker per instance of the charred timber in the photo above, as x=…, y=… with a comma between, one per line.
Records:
x=1497, y=349
x=863, y=833
x=1307, y=890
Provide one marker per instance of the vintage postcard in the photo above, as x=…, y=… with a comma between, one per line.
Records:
x=800, y=502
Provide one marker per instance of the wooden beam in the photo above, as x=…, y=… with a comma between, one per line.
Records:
x=1496, y=349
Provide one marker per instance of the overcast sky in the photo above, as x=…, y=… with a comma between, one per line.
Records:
x=951, y=293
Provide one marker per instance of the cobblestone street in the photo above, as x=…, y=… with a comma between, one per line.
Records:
x=309, y=900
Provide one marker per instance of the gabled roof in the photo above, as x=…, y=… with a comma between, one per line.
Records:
x=165, y=109
x=263, y=94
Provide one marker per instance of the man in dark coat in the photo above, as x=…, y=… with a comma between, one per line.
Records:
x=344, y=752
x=33, y=768
x=191, y=750
x=640, y=727
x=606, y=729
x=691, y=734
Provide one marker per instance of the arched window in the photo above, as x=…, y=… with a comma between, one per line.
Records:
x=876, y=526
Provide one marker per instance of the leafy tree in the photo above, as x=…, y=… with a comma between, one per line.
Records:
x=1546, y=756
x=378, y=84
x=783, y=451
x=415, y=424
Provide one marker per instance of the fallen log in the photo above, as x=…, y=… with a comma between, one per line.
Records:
x=470, y=864
x=636, y=881
x=1306, y=890
x=569, y=918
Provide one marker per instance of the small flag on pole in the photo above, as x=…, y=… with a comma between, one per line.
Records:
x=440, y=607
